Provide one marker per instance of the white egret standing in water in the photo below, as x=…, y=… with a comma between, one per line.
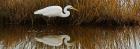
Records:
x=53, y=11
x=55, y=40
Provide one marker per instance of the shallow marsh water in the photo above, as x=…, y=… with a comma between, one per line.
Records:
x=85, y=37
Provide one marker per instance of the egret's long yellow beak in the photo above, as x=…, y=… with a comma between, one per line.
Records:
x=75, y=9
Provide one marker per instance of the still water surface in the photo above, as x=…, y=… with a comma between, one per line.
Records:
x=85, y=37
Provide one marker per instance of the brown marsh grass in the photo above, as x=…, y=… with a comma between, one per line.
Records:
x=90, y=11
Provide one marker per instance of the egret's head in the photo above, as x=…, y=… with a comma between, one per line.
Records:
x=71, y=7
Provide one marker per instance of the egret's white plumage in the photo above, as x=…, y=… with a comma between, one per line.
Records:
x=53, y=11
x=54, y=40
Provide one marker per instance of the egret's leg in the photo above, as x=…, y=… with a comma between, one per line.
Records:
x=48, y=21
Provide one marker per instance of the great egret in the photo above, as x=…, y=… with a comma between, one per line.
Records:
x=55, y=40
x=53, y=11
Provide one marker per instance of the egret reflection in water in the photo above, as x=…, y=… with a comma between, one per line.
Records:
x=55, y=40
x=14, y=37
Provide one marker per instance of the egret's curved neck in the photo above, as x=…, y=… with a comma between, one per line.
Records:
x=66, y=39
x=66, y=12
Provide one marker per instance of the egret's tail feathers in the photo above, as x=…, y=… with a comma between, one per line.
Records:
x=36, y=12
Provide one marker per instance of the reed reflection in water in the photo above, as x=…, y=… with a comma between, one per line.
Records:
x=85, y=37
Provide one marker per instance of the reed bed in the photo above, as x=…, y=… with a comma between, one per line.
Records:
x=90, y=11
